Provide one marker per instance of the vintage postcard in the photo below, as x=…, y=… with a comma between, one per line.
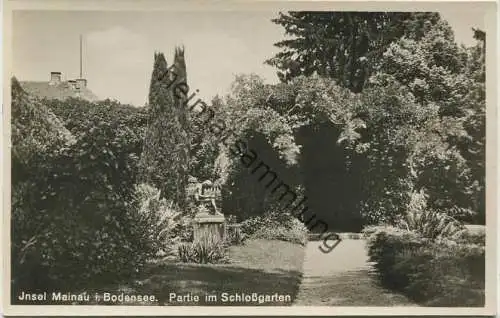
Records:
x=249, y=158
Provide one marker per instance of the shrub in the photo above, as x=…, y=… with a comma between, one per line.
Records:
x=295, y=234
x=251, y=225
x=472, y=237
x=429, y=223
x=205, y=251
x=234, y=234
x=157, y=219
x=384, y=246
x=276, y=226
x=185, y=252
x=184, y=229
x=101, y=238
x=438, y=272
x=73, y=217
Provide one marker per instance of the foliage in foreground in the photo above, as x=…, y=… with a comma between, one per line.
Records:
x=441, y=272
x=74, y=217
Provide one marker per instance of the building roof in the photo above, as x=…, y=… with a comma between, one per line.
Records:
x=61, y=90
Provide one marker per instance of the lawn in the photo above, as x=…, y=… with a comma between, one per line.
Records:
x=259, y=266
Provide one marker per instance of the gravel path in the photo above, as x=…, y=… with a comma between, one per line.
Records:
x=343, y=277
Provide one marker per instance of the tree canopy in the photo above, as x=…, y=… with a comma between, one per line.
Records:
x=344, y=46
x=416, y=124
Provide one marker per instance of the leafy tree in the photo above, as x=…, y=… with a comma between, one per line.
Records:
x=381, y=145
x=165, y=158
x=410, y=117
x=344, y=46
x=431, y=76
x=451, y=153
x=473, y=148
x=205, y=145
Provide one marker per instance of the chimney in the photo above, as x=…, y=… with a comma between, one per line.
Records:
x=55, y=78
x=81, y=83
x=72, y=84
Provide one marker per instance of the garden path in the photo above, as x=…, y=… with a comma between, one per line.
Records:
x=343, y=277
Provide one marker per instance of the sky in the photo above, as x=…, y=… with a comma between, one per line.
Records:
x=119, y=46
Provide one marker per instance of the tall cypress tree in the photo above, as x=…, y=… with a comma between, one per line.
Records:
x=184, y=136
x=165, y=158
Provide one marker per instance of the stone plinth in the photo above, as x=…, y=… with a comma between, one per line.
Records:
x=209, y=226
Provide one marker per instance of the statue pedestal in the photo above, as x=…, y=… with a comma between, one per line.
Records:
x=209, y=226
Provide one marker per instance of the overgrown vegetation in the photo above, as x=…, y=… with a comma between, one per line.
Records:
x=73, y=217
x=430, y=256
x=440, y=272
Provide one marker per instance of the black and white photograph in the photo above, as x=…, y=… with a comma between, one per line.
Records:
x=224, y=155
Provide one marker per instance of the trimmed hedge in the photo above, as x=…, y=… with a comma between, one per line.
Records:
x=433, y=273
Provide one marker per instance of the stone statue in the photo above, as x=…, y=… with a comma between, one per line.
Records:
x=205, y=194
